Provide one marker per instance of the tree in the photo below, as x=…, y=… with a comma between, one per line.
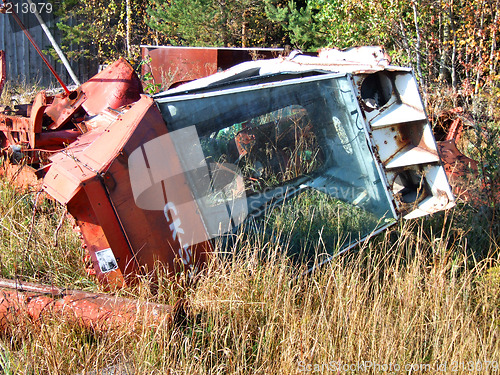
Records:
x=449, y=42
x=214, y=23
x=301, y=21
x=104, y=30
x=313, y=24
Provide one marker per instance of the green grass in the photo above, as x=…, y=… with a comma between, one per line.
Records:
x=312, y=223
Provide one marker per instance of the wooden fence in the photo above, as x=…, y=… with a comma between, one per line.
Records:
x=24, y=65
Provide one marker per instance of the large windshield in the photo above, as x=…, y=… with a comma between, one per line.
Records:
x=285, y=141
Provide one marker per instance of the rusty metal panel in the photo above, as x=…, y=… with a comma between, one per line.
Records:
x=114, y=87
x=104, y=240
x=171, y=66
x=176, y=64
x=461, y=170
x=64, y=107
x=113, y=223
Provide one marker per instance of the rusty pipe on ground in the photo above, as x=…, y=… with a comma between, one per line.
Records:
x=92, y=310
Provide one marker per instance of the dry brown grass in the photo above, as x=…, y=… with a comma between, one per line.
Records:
x=410, y=297
x=422, y=298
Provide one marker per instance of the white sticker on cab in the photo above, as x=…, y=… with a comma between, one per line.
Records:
x=106, y=259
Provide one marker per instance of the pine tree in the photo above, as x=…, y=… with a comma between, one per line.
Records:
x=214, y=23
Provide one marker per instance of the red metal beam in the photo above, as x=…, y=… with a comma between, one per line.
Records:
x=97, y=311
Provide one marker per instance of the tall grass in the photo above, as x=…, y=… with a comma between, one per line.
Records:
x=37, y=240
x=423, y=297
x=415, y=296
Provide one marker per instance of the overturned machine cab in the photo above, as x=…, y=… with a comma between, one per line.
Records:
x=157, y=180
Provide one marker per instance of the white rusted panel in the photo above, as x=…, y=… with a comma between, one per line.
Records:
x=412, y=155
x=396, y=114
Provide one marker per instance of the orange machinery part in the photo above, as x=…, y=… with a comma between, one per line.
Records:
x=459, y=168
x=96, y=127
x=91, y=177
x=463, y=174
x=96, y=311
x=170, y=66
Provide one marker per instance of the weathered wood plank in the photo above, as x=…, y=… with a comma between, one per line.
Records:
x=23, y=62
